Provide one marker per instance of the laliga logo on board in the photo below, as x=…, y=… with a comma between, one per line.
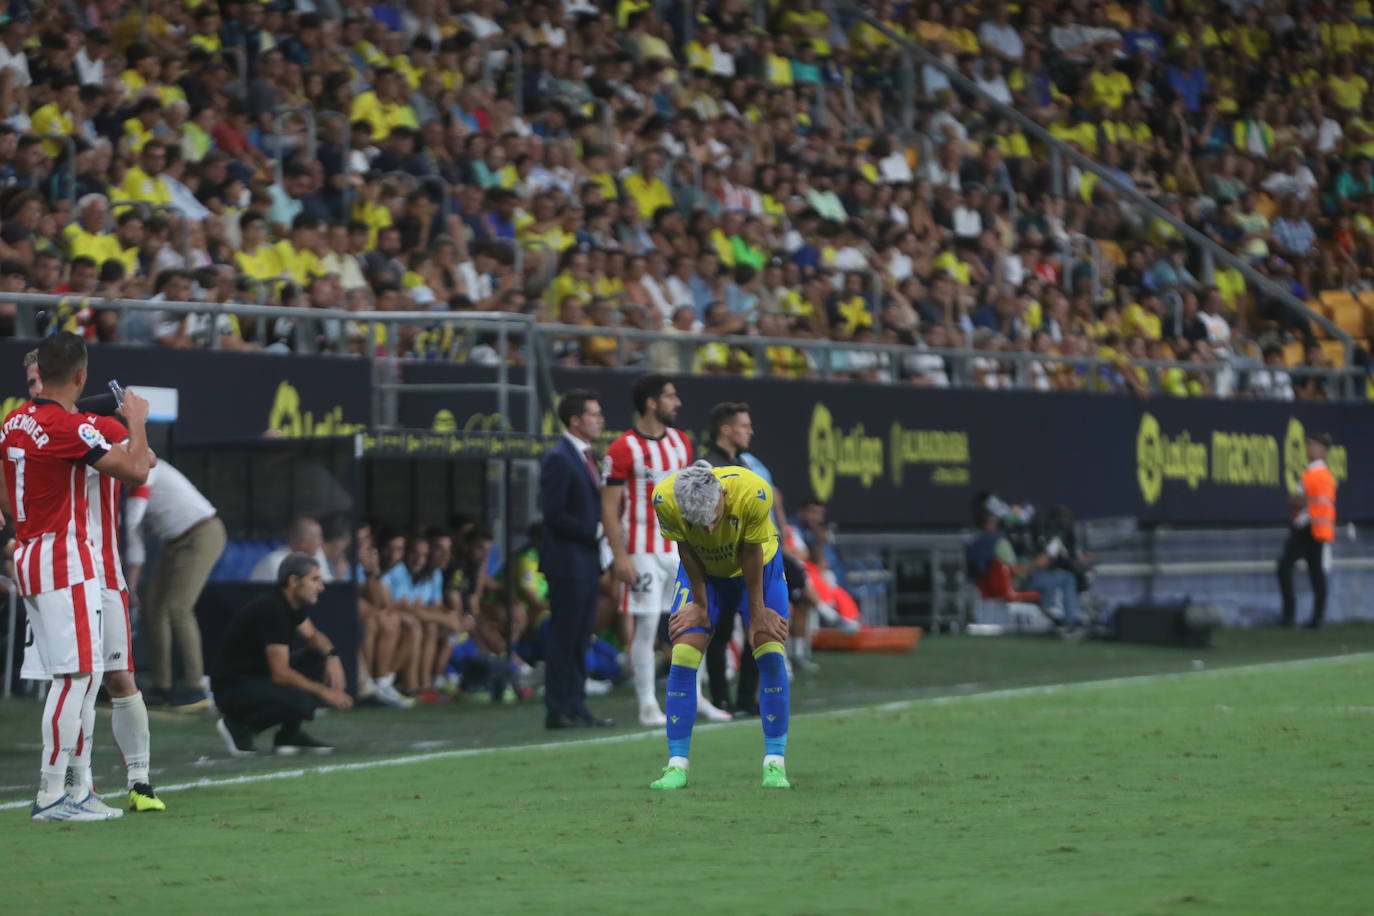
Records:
x=1158, y=456
x=833, y=452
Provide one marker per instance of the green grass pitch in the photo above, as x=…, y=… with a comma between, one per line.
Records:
x=1249, y=790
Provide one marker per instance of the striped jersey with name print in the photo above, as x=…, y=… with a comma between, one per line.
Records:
x=46, y=449
x=639, y=462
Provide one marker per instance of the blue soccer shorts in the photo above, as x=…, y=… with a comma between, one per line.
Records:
x=732, y=593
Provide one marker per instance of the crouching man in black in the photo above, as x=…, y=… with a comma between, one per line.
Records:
x=258, y=682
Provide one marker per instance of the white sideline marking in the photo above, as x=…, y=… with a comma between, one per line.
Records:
x=895, y=706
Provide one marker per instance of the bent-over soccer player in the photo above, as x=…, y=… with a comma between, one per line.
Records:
x=721, y=519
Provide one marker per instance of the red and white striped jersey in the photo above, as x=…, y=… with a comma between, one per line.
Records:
x=102, y=495
x=638, y=462
x=46, y=449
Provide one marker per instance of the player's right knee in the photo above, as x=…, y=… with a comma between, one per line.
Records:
x=686, y=656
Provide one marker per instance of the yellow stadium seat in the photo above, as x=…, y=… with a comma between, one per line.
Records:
x=1335, y=351
x=1292, y=354
x=1330, y=298
x=1350, y=319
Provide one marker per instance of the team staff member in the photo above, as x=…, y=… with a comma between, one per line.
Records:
x=570, y=558
x=258, y=683
x=722, y=521
x=732, y=431
x=1312, y=533
x=192, y=539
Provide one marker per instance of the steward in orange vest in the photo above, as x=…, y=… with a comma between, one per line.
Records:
x=1312, y=533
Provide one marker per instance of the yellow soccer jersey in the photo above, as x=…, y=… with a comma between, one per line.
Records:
x=748, y=519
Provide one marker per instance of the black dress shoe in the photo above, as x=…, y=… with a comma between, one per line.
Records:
x=592, y=721
x=562, y=721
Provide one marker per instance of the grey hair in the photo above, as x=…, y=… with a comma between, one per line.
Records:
x=295, y=564
x=89, y=199
x=698, y=493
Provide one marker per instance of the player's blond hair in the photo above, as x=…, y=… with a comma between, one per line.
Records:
x=698, y=493
x=30, y=358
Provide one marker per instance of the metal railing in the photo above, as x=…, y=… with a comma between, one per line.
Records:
x=1060, y=151
x=826, y=359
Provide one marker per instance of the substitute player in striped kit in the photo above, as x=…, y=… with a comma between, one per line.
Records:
x=643, y=560
x=129, y=714
x=46, y=445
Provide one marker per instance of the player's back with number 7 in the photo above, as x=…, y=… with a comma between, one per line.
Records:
x=46, y=445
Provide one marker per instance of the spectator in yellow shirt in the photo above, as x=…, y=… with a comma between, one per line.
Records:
x=384, y=106
x=142, y=127
x=646, y=188
x=60, y=115
x=87, y=236
x=1144, y=318
x=257, y=259
x=1108, y=85
x=143, y=182
x=206, y=34
x=1347, y=87
x=296, y=256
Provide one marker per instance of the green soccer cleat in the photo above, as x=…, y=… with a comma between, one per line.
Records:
x=775, y=777
x=672, y=778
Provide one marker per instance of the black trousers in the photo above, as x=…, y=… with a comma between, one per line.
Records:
x=260, y=704
x=1302, y=546
x=748, y=687
x=572, y=607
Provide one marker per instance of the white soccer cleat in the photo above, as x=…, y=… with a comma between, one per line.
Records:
x=388, y=695
x=93, y=802
x=66, y=809
x=651, y=716
x=713, y=713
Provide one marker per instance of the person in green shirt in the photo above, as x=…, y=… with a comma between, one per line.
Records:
x=748, y=246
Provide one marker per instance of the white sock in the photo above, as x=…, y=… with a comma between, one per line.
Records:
x=773, y=758
x=386, y=680
x=79, y=766
x=129, y=725
x=677, y=762
x=642, y=659
x=60, y=727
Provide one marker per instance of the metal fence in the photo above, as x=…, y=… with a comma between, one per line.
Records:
x=519, y=343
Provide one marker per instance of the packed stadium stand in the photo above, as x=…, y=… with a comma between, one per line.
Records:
x=781, y=173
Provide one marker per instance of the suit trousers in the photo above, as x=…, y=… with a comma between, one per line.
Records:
x=572, y=606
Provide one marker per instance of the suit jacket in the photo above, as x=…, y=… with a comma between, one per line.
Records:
x=570, y=502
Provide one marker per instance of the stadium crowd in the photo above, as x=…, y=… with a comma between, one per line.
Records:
x=715, y=167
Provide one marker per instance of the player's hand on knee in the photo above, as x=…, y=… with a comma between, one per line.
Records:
x=690, y=615
x=767, y=626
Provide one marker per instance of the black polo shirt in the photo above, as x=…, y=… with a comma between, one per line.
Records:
x=266, y=621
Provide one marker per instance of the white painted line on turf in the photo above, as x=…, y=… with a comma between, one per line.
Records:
x=896, y=706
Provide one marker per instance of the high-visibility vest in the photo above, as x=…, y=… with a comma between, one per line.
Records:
x=1319, y=485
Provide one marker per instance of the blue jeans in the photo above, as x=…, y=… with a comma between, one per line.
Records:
x=1048, y=582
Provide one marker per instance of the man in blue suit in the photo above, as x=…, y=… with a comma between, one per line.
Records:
x=570, y=558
